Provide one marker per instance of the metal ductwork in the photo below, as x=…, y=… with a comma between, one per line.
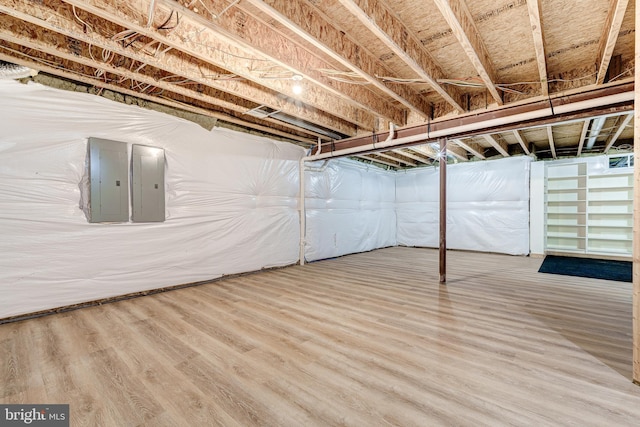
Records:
x=594, y=133
x=263, y=112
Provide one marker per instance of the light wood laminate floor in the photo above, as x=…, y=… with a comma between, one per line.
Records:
x=364, y=340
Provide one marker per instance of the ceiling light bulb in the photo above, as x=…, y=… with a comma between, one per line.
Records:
x=297, y=89
x=296, y=77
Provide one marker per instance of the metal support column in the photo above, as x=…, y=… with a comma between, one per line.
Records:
x=443, y=210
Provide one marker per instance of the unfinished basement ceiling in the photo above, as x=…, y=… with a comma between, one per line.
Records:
x=334, y=69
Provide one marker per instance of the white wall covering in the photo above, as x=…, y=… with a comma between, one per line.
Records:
x=487, y=209
x=231, y=202
x=350, y=208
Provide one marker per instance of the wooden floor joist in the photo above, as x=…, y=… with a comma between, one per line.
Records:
x=457, y=15
x=362, y=340
x=162, y=101
x=391, y=31
x=609, y=37
x=521, y=141
x=583, y=136
x=216, y=50
x=285, y=51
x=234, y=95
x=538, y=43
x=302, y=20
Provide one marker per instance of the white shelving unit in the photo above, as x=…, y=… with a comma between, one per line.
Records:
x=566, y=202
x=610, y=214
x=588, y=214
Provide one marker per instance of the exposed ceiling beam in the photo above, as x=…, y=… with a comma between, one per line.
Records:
x=56, y=44
x=395, y=35
x=538, y=43
x=426, y=150
x=453, y=150
x=471, y=147
x=521, y=141
x=500, y=146
x=407, y=153
x=306, y=23
x=370, y=158
x=583, y=136
x=288, y=53
x=458, y=152
x=617, y=9
x=76, y=76
x=459, y=18
x=613, y=138
x=395, y=158
x=60, y=48
x=60, y=21
x=199, y=42
x=552, y=144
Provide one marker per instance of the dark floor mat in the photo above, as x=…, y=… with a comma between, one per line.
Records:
x=620, y=271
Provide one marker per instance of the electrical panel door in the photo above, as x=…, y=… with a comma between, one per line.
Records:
x=109, y=181
x=147, y=166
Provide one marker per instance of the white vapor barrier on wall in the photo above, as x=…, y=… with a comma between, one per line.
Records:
x=231, y=202
x=350, y=208
x=487, y=206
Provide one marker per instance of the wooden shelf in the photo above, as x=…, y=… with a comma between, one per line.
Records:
x=610, y=252
x=607, y=201
x=569, y=249
x=613, y=239
x=614, y=187
x=588, y=214
x=567, y=189
x=564, y=236
x=567, y=213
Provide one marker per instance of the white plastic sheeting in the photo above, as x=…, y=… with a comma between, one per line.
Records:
x=350, y=208
x=231, y=202
x=487, y=206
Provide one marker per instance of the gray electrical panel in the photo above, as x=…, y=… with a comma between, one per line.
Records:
x=109, y=181
x=147, y=190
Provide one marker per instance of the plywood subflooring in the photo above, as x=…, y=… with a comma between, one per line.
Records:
x=364, y=340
